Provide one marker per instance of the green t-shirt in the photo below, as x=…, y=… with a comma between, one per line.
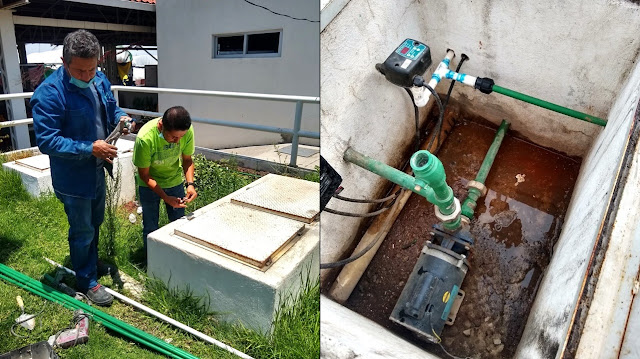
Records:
x=163, y=158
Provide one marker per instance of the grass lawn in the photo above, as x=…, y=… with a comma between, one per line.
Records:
x=31, y=229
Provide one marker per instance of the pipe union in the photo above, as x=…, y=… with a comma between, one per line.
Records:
x=479, y=186
x=449, y=217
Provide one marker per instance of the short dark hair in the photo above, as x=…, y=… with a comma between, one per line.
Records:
x=80, y=43
x=176, y=118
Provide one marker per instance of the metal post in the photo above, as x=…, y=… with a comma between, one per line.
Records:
x=115, y=95
x=296, y=131
x=12, y=82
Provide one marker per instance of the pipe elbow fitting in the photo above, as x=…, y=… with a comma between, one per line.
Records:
x=420, y=96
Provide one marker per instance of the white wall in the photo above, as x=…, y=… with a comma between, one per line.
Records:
x=185, y=45
x=569, y=53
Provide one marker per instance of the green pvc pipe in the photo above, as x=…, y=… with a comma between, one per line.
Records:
x=398, y=177
x=469, y=204
x=429, y=169
x=430, y=180
x=108, y=321
x=124, y=333
x=51, y=294
x=550, y=106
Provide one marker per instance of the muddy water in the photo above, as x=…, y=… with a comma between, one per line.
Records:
x=516, y=225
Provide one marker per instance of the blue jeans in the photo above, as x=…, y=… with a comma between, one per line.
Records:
x=85, y=217
x=150, y=203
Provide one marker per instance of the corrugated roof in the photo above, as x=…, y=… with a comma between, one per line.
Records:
x=145, y=1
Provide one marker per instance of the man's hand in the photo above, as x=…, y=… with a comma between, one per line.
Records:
x=175, y=202
x=104, y=151
x=191, y=194
x=125, y=119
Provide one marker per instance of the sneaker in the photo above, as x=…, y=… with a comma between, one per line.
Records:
x=99, y=296
x=104, y=269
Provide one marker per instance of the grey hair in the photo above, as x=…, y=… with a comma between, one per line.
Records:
x=80, y=43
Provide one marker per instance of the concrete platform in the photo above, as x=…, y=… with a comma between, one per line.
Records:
x=36, y=173
x=280, y=154
x=227, y=283
x=36, y=181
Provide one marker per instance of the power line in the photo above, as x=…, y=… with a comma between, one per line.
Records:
x=277, y=13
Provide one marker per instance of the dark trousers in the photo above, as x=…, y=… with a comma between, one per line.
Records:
x=150, y=203
x=85, y=217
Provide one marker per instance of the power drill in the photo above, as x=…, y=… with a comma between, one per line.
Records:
x=78, y=333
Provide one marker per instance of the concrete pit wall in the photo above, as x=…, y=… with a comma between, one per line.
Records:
x=585, y=237
x=558, y=53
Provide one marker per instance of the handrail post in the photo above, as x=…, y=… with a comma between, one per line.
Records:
x=296, y=129
x=115, y=95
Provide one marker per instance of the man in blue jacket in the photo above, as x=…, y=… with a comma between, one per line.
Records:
x=73, y=112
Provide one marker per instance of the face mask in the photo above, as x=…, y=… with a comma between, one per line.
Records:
x=81, y=84
x=161, y=135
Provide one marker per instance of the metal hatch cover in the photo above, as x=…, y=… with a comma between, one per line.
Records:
x=284, y=196
x=254, y=237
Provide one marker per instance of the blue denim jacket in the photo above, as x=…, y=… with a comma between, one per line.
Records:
x=64, y=125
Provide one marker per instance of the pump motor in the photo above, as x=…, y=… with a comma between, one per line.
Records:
x=410, y=59
x=432, y=295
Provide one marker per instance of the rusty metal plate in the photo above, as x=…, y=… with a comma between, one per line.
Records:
x=254, y=237
x=285, y=196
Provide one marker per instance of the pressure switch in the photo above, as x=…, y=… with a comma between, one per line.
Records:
x=410, y=59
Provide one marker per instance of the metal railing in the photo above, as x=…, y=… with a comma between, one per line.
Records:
x=297, y=119
x=295, y=132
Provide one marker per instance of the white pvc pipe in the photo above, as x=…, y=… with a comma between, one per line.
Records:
x=420, y=95
x=11, y=96
x=163, y=317
x=25, y=121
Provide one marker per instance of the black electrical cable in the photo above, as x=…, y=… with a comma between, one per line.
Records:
x=416, y=144
x=381, y=200
x=12, y=329
x=370, y=214
x=340, y=263
x=277, y=13
x=463, y=58
x=438, y=125
x=350, y=259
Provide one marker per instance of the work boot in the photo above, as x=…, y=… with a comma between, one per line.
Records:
x=99, y=296
x=105, y=269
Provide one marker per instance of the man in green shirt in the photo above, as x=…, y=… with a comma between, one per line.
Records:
x=162, y=146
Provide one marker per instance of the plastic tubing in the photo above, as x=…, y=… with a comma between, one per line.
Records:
x=108, y=321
